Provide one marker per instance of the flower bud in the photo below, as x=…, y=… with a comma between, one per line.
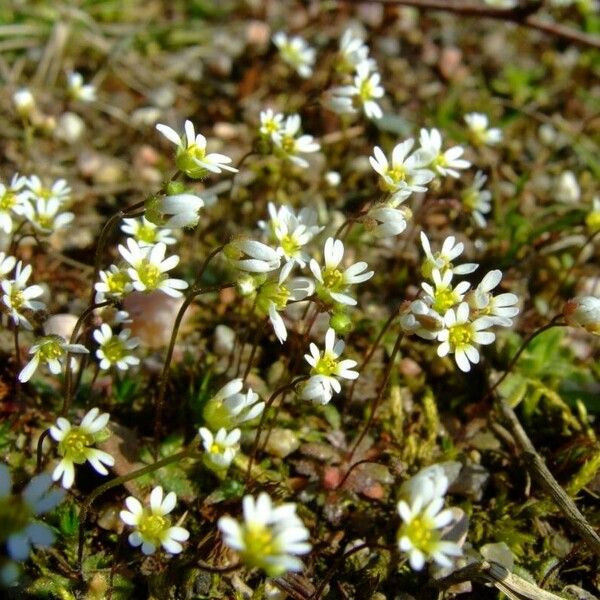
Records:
x=583, y=311
x=341, y=323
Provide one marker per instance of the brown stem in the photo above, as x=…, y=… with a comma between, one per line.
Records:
x=523, y=15
x=379, y=397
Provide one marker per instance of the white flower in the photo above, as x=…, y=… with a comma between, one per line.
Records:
x=290, y=146
x=219, y=449
x=386, y=221
x=442, y=260
x=183, y=208
x=481, y=133
x=18, y=296
x=114, y=283
x=477, y=201
x=146, y=233
x=268, y=537
x=115, y=349
x=36, y=190
x=567, y=188
x=333, y=178
x=252, y=256
x=500, y=309
x=12, y=200
x=583, y=311
x=429, y=483
x=152, y=525
x=327, y=367
x=50, y=350
x=273, y=295
x=460, y=336
x=442, y=296
x=75, y=445
x=270, y=122
x=191, y=156
x=69, y=127
x=230, y=408
x=20, y=529
x=296, y=52
x=363, y=92
x=46, y=215
x=78, y=90
x=419, y=318
x=443, y=163
x=148, y=268
x=354, y=51
x=292, y=232
x=333, y=283
x=408, y=172
x=419, y=535
x=24, y=102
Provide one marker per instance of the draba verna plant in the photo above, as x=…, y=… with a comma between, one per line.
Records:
x=299, y=300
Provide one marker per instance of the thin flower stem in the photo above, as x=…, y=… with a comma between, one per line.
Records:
x=554, y=322
x=17, y=364
x=379, y=397
x=259, y=331
x=284, y=388
x=188, y=452
x=164, y=378
x=68, y=367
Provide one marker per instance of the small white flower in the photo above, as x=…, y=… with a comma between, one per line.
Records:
x=12, y=201
x=387, y=221
x=18, y=512
x=292, y=232
x=148, y=268
x=219, y=449
x=408, y=172
x=441, y=295
x=229, y=408
x=327, y=367
x=49, y=350
x=364, y=92
x=46, y=215
x=419, y=535
x=442, y=260
x=291, y=146
x=476, y=200
x=78, y=90
x=354, y=51
x=24, y=102
x=146, y=233
x=115, y=349
x=191, y=157
x=481, y=133
x=429, y=483
x=567, y=188
x=500, y=309
x=153, y=525
x=18, y=296
x=114, y=283
x=583, y=311
x=183, y=208
x=7, y=264
x=419, y=318
x=69, y=127
x=460, y=336
x=273, y=295
x=270, y=122
x=252, y=256
x=36, y=190
x=333, y=178
x=333, y=283
x=75, y=445
x=445, y=163
x=268, y=537
x=296, y=52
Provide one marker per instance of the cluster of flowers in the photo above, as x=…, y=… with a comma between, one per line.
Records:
x=28, y=200
x=452, y=314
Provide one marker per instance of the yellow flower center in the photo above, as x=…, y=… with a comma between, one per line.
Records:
x=75, y=444
x=8, y=200
x=117, y=282
x=333, y=279
x=444, y=299
x=290, y=246
x=470, y=198
x=50, y=350
x=45, y=221
x=16, y=298
x=326, y=365
x=365, y=91
x=460, y=335
x=592, y=220
x=152, y=527
x=288, y=144
x=146, y=233
x=422, y=534
x=258, y=544
x=150, y=275
x=270, y=126
x=114, y=350
x=397, y=174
